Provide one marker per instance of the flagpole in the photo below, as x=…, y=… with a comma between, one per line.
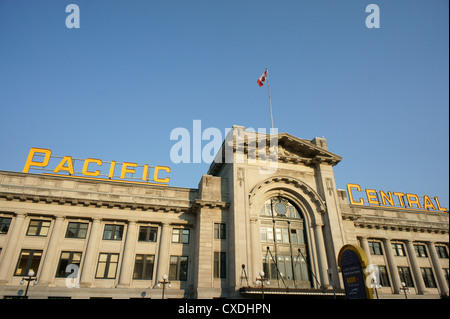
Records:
x=270, y=103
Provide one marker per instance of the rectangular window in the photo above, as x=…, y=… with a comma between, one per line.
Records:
x=143, y=267
x=29, y=260
x=297, y=269
x=178, y=269
x=180, y=235
x=270, y=234
x=285, y=234
x=38, y=228
x=446, y=273
x=67, y=258
x=405, y=276
x=219, y=231
x=113, y=232
x=421, y=251
x=278, y=235
x=107, y=266
x=398, y=249
x=375, y=248
x=77, y=230
x=428, y=277
x=442, y=251
x=4, y=225
x=294, y=240
x=301, y=238
x=384, y=277
x=220, y=264
x=263, y=234
x=288, y=266
x=147, y=233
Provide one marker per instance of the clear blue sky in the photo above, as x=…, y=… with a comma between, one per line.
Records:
x=116, y=87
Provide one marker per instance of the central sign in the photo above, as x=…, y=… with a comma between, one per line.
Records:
x=93, y=168
x=393, y=199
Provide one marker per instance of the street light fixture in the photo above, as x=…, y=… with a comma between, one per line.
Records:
x=405, y=289
x=262, y=280
x=29, y=279
x=164, y=283
x=375, y=285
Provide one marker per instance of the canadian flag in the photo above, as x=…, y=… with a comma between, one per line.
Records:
x=262, y=79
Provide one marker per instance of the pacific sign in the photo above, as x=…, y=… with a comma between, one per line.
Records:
x=95, y=169
x=393, y=199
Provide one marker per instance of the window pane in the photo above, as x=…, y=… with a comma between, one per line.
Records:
x=216, y=231
x=118, y=231
x=82, y=232
x=71, y=230
x=45, y=226
x=288, y=266
x=281, y=266
x=175, y=235
x=153, y=234
x=173, y=268
x=285, y=233
x=108, y=232
x=301, y=239
x=278, y=234
x=100, y=270
x=185, y=236
x=270, y=234
x=35, y=260
x=294, y=237
x=112, y=270
x=216, y=264
x=149, y=264
x=183, y=268
x=138, y=267
x=76, y=258
x=22, y=264
x=33, y=228
x=4, y=225
x=263, y=234
x=143, y=230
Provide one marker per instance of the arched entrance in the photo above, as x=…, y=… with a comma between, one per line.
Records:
x=284, y=244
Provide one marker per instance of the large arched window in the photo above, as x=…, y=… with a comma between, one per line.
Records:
x=285, y=258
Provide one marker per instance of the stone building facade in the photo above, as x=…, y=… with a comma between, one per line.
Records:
x=87, y=238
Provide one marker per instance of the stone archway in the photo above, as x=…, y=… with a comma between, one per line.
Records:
x=312, y=206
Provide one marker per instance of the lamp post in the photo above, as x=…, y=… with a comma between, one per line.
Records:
x=29, y=279
x=405, y=289
x=262, y=280
x=375, y=286
x=164, y=283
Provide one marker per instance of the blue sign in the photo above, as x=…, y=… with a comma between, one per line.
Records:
x=352, y=262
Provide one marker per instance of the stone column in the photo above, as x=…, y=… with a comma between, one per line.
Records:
x=51, y=253
x=392, y=265
x=365, y=246
x=90, y=260
x=442, y=283
x=420, y=285
x=321, y=255
x=128, y=255
x=255, y=250
x=163, y=254
x=11, y=248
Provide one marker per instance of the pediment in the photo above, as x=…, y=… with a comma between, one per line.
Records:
x=287, y=149
x=293, y=149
